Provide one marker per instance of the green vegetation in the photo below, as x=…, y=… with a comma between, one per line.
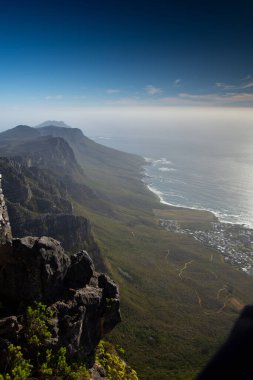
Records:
x=19, y=368
x=175, y=313
x=33, y=359
x=114, y=366
x=37, y=329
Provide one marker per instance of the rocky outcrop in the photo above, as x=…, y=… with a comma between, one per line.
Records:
x=34, y=270
x=85, y=303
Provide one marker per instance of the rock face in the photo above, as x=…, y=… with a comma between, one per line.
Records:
x=40, y=203
x=34, y=270
x=5, y=228
x=85, y=303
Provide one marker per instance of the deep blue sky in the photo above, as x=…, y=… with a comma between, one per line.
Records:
x=126, y=52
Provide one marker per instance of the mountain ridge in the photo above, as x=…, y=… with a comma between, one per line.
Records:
x=179, y=297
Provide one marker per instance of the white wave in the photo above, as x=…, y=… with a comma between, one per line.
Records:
x=222, y=217
x=148, y=159
x=232, y=219
x=160, y=195
x=164, y=169
x=156, y=192
x=104, y=138
x=162, y=161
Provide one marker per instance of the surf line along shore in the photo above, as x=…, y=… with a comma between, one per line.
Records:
x=233, y=241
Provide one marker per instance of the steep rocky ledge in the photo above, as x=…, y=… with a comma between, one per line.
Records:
x=85, y=303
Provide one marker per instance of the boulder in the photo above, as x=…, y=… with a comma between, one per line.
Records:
x=33, y=271
x=80, y=270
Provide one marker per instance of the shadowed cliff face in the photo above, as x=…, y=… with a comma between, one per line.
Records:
x=85, y=303
x=45, y=186
x=5, y=228
x=52, y=175
x=40, y=203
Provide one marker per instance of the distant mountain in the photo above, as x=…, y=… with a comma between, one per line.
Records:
x=50, y=173
x=102, y=166
x=21, y=132
x=54, y=123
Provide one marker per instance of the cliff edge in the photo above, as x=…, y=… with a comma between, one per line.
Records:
x=84, y=303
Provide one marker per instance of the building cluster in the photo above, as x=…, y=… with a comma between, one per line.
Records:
x=5, y=228
x=169, y=225
x=234, y=242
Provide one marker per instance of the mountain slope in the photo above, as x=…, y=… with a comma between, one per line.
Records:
x=20, y=132
x=179, y=298
x=113, y=169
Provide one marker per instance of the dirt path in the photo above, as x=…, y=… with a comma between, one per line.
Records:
x=224, y=289
x=184, y=268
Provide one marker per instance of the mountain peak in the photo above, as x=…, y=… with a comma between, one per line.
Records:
x=53, y=123
x=21, y=132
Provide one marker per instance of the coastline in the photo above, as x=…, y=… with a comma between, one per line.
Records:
x=233, y=241
x=159, y=195
x=216, y=214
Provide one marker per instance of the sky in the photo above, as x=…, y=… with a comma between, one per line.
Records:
x=60, y=58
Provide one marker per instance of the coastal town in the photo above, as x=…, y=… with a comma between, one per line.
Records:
x=234, y=242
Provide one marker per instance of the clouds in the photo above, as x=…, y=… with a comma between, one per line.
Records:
x=212, y=99
x=234, y=87
x=152, y=90
x=173, y=92
x=226, y=94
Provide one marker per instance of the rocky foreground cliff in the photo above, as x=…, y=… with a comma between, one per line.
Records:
x=84, y=304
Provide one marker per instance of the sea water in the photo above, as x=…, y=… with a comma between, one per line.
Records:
x=211, y=171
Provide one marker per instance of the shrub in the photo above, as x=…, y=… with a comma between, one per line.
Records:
x=19, y=368
x=114, y=366
x=34, y=360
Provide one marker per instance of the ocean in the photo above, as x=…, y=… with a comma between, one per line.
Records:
x=210, y=170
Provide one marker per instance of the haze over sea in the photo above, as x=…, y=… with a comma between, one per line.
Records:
x=207, y=168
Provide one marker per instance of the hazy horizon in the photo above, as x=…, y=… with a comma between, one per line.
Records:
x=105, y=120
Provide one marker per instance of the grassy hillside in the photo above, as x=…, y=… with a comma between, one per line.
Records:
x=178, y=298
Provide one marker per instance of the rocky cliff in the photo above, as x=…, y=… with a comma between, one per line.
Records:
x=40, y=203
x=5, y=228
x=85, y=304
